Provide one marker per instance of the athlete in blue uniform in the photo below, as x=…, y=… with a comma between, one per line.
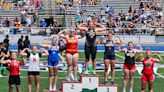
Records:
x=53, y=60
x=109, y=54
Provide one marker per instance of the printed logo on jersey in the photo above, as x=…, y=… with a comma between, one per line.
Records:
x=148, y=64
x=34, y=60
x=91, y=33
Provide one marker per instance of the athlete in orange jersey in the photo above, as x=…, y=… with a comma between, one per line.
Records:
x=71, y=52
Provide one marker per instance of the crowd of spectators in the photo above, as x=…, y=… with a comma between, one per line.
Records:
x=147, y=18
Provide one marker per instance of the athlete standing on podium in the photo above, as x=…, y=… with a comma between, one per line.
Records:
x=71, y=51
x=91, y=29
x=109, y=54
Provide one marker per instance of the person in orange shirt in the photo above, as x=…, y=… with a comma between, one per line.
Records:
x=71, y=52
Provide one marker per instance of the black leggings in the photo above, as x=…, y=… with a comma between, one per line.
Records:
x=90, y=50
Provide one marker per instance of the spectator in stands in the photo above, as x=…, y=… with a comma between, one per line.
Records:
x=1, y=23
x=19, y=27
x=43, y=23
x=20, y=44
x=124, y=28
x=37, y=4
x=141, y=5
x=27, y=42
x=130, y=9
x=122, y=16
x=111, y=12
x=35, y=18
x=6, y=42
x=16, y=21
x=131, y=28
x=28, y=19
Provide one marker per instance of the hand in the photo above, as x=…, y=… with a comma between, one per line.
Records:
x=139, y=45
x=155, y=54
x=41, y=49
x=45, y=39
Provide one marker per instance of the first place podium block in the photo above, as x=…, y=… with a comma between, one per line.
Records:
x=88, y=83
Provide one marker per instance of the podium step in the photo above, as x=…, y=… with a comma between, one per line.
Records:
x=50, y=90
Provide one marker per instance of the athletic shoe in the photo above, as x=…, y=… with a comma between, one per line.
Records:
x=105, y=82
x=112, y=82
x=54, y=88
x=86, y=72
x=94, y=72
x=50, y=87
x=68, y=79
x=76, y=80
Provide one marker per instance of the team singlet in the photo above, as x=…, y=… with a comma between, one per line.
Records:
x=34, y=62
x=91, y=38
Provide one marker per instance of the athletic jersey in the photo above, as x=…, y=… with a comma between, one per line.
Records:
x=130, y=56
x=14, y=67
x=91, y=38
x=34, y=60
x=109, y=47
x=53, y=54
x=148, y=66
x=72, y=45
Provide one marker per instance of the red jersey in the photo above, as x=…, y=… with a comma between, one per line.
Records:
x=72, y=45
x=148, y=66
x=14, y=67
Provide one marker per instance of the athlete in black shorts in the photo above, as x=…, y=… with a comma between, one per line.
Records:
x=109, y=54
x=91, y=30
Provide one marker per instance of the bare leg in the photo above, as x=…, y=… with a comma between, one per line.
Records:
x=37, y=83
x=69, y=64
x=143, y=86
x=75, y=60
x=30, y=78
x=10, y=88
x=112, y=63
x=50, y=77
x=18, y=88
x=55, y=77
x=151, y=86
x=106, y=62
x=126, y=77
x=131, y=76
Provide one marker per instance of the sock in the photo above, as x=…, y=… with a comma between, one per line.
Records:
x=50, y=87
x=54, y=87
x=124, y=90
x=131, y=89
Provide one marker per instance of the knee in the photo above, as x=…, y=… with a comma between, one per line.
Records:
x=151, y=87
x=126, y=77
x=37, y=86
x=50, y=74
x=55, y=73
x=87, y=60
x=106, y=69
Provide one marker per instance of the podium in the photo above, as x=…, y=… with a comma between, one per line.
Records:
x=88, y=83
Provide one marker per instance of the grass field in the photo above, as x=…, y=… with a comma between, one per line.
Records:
x=158, y=85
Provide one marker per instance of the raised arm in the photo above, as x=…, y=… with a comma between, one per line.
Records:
x=3, y=61
x=101, y=40
x=23, y=52
x=62, y=33
x=45, y=52
x=122, y=48
x=43, y=44
x=101, y=27
x=81, y=27
x=139, y=48
x=158, y=59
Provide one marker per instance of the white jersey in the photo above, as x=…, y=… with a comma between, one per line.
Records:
x=34, y=62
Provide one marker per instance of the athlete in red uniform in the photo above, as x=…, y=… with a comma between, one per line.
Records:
x=14, y=68
x=147, y=72
x=71, y=52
